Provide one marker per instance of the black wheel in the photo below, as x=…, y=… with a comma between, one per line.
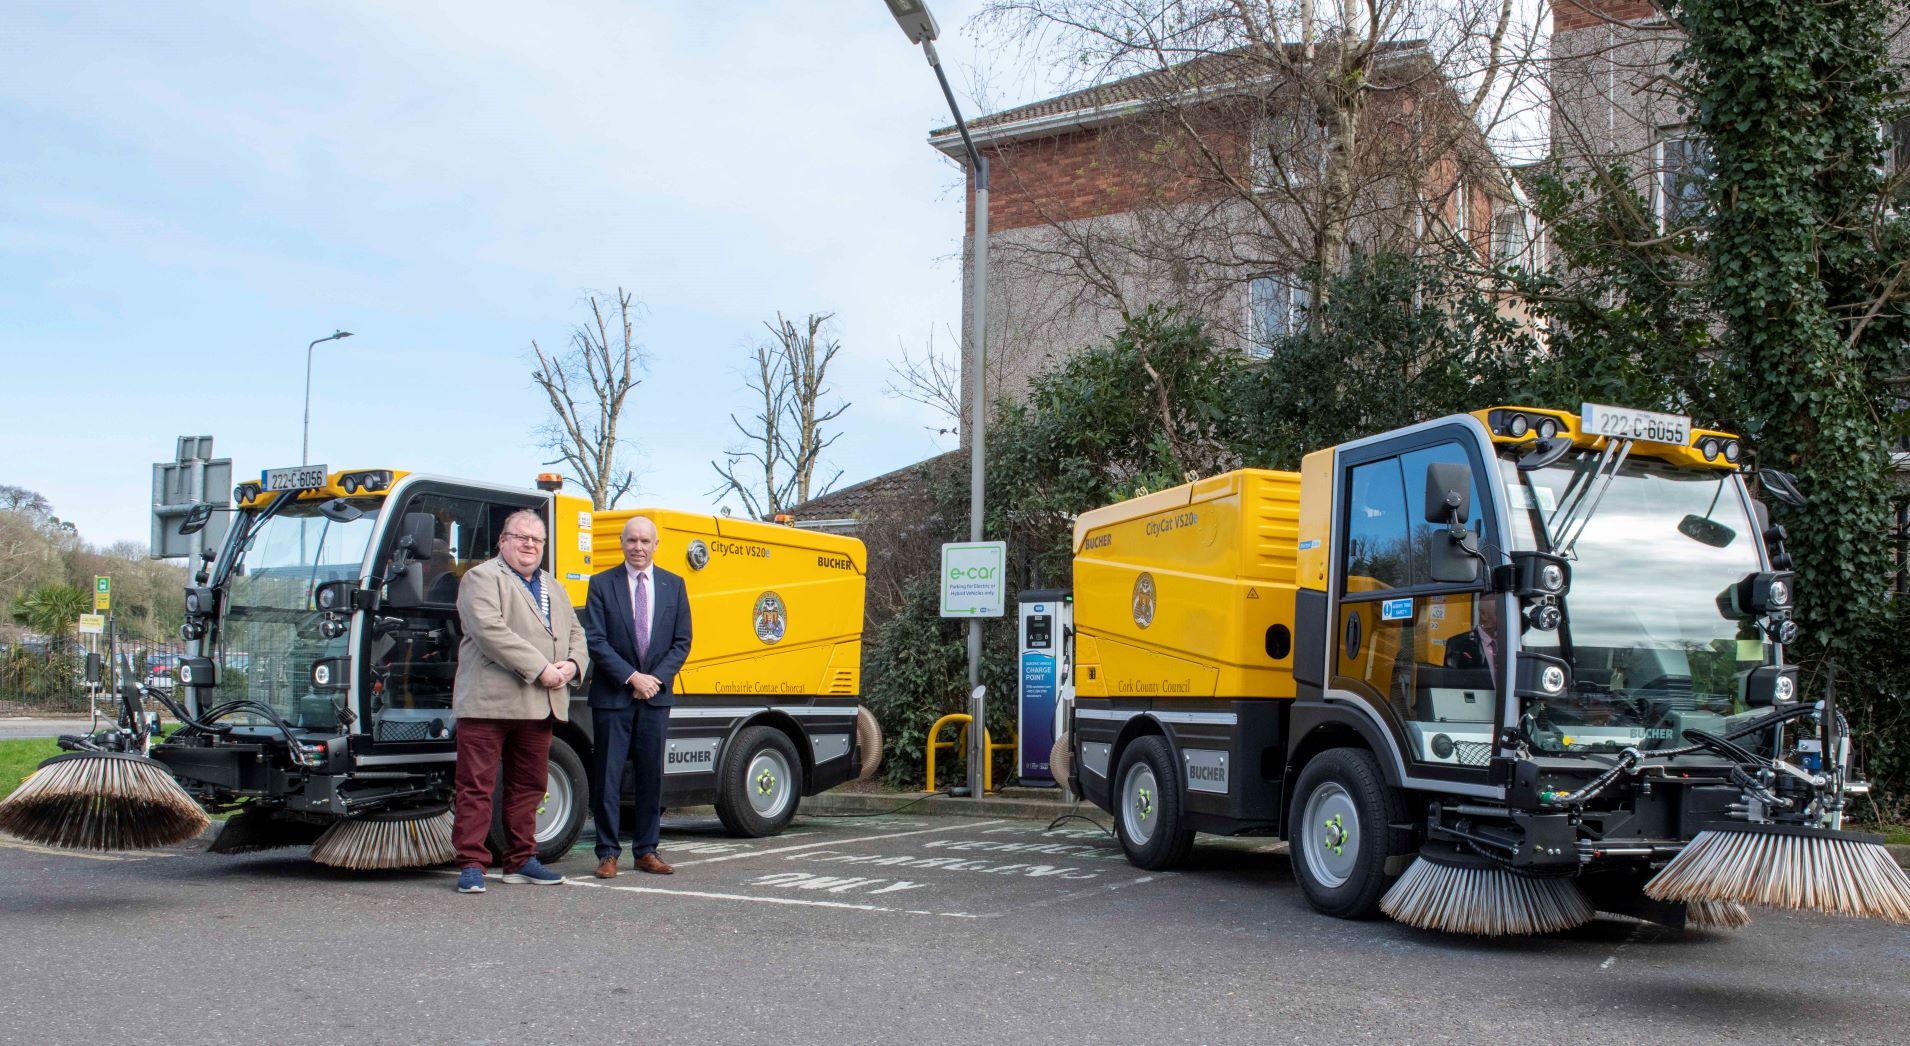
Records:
x=1149, y=807
x=560, y=817
x=1339, y=839
x=760, y=783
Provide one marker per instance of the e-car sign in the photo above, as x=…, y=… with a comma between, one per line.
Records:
x=974, y=578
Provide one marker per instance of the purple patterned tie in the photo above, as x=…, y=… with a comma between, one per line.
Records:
x=639, y=617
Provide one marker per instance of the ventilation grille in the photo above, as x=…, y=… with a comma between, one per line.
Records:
x=1473, y=753
x=844, y=682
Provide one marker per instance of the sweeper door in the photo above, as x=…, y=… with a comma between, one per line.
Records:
x=1417, y=638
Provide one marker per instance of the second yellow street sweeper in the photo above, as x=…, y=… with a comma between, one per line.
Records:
x=1487, y=674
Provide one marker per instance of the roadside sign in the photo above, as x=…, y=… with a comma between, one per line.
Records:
x=92, y=624
x=102, y=594
x=194, y=478
x=974, y=578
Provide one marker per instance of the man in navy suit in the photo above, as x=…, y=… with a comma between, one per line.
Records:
x=637, y=617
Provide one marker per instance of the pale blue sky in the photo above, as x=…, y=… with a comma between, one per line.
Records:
x=194, y=190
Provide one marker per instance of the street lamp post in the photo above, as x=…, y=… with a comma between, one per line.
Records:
x=305, y=443
x=919, y=25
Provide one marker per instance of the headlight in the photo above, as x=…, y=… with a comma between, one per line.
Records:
x=1545, y=617
x=1517, y=425
x=1786, y=688
x=192, y=603
x=1708, y=447
x=1785, y=631
x=1552, y=577
x=1780, y=593
x=321, y=674
x=1552, y=679
x=1548, y=427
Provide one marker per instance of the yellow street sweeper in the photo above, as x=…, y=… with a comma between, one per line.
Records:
x=316, y=697
x=1486, y=674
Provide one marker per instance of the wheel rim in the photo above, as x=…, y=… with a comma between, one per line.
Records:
x=553, y=813
x=1330, y=834
x=1140, y=803
x=768, y=783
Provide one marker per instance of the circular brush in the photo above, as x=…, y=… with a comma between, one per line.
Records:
x=1465, y=893
x=416, y=838
x=101, y=801
x=869, y=741
x=1781, y=866
x=1061, y=763
x=1716, y=915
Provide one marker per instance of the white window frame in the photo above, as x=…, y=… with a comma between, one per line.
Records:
x=1265, y=173
x=1293, y=298
x=1520, y=219
x=1661, y=171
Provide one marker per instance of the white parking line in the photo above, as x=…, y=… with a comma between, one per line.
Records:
x=801, y=902
x=837, y=842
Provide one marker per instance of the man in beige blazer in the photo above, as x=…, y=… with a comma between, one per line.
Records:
x=521, y=649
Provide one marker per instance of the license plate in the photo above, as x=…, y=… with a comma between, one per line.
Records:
x=302, y=477
x=1646, y=426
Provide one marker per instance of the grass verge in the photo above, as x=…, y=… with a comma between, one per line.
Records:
x=20, y=756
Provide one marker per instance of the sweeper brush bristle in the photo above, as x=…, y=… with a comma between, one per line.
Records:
x=1480, y=897
x=1776, y=866
x=101, y=801
x=869, y=741
x=1716, y=915
x=407, y=839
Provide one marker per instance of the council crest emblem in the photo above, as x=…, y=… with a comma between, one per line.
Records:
x=772, y=617
x=1144, y=600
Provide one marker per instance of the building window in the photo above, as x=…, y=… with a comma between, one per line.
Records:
x=1509, y=238
x=1276, y=309
x=1462, y=212
x=1288, y=152
x=1684, y=166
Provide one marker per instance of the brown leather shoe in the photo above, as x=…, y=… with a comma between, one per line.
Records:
x=607, y=868
x=654, y=865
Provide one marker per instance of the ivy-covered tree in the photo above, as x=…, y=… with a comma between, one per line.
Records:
x=1807, y=273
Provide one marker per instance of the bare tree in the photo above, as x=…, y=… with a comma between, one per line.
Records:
x=587, y=385
x=1270, y=137
x=932, y=379
x=775, y=466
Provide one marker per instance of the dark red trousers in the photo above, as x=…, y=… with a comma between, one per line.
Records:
x=522, y=748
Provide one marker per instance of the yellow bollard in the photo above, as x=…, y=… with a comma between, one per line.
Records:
x=961, y=742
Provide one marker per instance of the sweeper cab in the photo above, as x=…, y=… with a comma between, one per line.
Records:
x=1526, y=657
x=323, y=639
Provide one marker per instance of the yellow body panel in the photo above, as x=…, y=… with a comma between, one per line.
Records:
x=1219, y=558
x=810, y=639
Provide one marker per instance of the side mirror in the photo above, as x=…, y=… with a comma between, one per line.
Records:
x=404, y=584
x=196, y=519
x=1448, y=492
x=1706, y=531
x=1781, y=486
x=1451, y=562
x=414, y=537
x=1544, y=452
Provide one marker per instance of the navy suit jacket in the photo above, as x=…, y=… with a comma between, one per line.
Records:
x=613, y=643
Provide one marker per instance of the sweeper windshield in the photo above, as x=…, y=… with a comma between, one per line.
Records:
x=268, y=634
x=1651, y=652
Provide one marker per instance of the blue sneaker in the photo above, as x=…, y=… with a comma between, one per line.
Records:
x=471, y=880
x=534, y=872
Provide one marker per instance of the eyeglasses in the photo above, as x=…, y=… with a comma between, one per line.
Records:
x=524, y=539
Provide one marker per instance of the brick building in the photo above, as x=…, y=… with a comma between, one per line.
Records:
x=1087, y=218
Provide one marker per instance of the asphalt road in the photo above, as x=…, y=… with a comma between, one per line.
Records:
x=13, y=727
x=888, y=929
